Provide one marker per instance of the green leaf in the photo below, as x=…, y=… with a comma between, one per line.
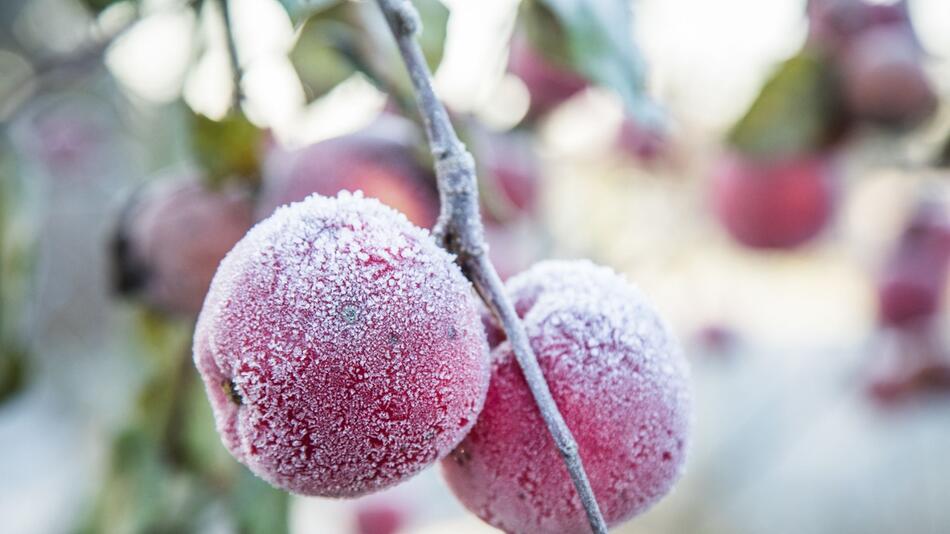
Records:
x=258, y=507
x=435, y=19
x=797, y=110
x=227, y=149
x=596, y=40
x=324, y=54
x=203, y=451
x=301, y=10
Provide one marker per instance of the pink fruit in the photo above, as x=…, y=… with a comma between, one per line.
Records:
x=884, y=80
x=549, y=85
x=341, y=349
x=382, y=166
x=171, y=238
x=835, y=24
x=379, y=518
x=618, y=379
x=777, y=203
x=914, y=275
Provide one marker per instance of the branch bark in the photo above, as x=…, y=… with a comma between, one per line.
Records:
x=459, y=230
x=234, y=61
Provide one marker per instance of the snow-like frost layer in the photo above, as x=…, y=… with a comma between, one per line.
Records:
x=341, y=348
x=621, y=384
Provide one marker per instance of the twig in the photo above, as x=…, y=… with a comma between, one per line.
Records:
x=459, y=229
x=236, y=72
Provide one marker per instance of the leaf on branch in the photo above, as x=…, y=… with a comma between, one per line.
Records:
x=435, y=18
x=596, y=40
x=325, y=54
x=797, y=110
x=301, y=10
x=227, y=149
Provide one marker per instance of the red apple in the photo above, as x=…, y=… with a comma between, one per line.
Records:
x=379, y=161
x=884, y=80
x=171, y=238
x=773, y=203
x=915, y=272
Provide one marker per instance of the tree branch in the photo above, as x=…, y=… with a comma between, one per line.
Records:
x=233, y=60
x=459, y=230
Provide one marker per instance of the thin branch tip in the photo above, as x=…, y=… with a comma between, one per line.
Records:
x=459, y=230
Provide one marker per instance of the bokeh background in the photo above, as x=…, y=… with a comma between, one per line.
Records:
x=819, y=360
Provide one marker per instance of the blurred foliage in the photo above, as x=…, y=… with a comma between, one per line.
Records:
x=326, y=53
x=798, y=110
x=98, y=6
x=227, y=149
x=596, y=40
x=342, y=38
x=13, y=361
x=169, y=471
x=301, y=10
x=943, y=154
x=16, y=268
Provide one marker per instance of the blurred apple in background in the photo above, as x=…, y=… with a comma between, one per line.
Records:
x=381, y=161
x=773, y=203
x=171, y=238
x=884, y=80
x=912, y=282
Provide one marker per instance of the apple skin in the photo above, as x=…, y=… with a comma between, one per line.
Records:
x=170, y=239
x=380, y=161
x=777, y=203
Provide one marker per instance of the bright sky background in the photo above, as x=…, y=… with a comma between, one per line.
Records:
x=707, y=60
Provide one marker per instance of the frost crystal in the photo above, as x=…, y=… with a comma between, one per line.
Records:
x=618, y=379
x=352, y=342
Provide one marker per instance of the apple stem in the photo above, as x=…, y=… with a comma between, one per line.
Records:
x=237, y=73
x=459, y=230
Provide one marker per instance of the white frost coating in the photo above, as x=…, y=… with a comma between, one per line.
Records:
x=341, y=348
x=621, y=384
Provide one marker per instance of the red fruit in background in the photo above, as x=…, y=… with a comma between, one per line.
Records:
x=884, y=80
x=621, y=385
x=915, y=273
x=171, y=238
x=835, y=24
x=381, y=166
x=379, y=518
x=341, y=349
x=773, y=203
x=549, y=85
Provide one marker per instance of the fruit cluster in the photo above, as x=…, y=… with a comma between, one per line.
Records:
x=343, y=352
x=862, y=64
